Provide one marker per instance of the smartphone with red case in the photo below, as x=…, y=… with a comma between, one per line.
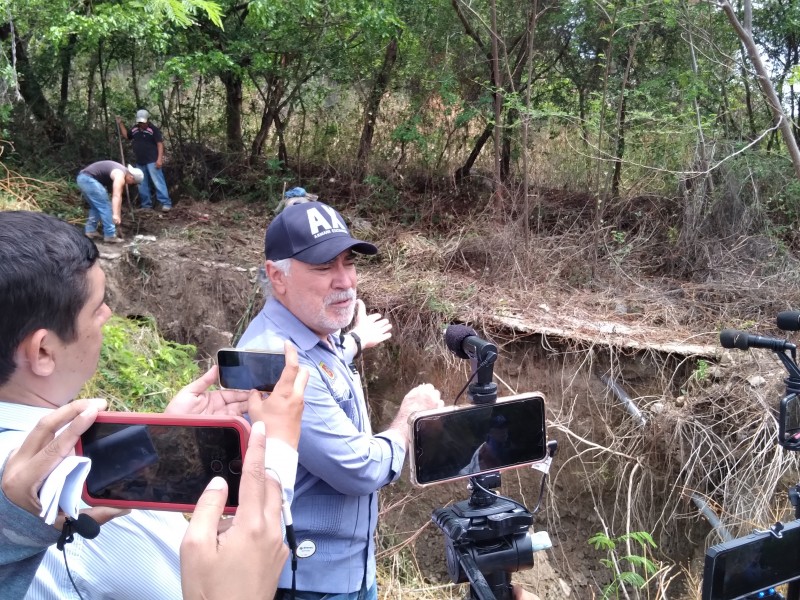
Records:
x=161, y=461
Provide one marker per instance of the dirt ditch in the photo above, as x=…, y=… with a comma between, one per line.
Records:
x=614, y=473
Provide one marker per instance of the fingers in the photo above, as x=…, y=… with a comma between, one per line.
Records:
x=205, y=518
x=46, y=428
x=103, y=514
x=41, y=451
x=299, y=389
x=43, y=462
x=292, y=364
x=251, y=488
x=361, y=311
x=202, y=383
x=235, y=401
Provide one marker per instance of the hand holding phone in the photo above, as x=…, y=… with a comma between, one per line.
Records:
x=159, y=461
x=281, y=411
x=197, y=399
x=43, y=449
x=249, y=369
x=244, y=561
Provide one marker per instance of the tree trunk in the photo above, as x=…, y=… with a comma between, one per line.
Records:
x=283, y=153
x=90, y=83
x=233, y=111
x=31, y=90
x=261, y=136
x=508, y=142
x=372, y=108
x=65, y=57
x=620, y=150
x=498, y=102
x=103, y=90
x=778, y=116
x=464, y=170
x=135, y=80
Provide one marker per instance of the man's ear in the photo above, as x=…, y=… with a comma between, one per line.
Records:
x=276, y=277
x=38, y=352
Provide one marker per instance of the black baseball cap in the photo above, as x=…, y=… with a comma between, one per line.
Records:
x=311, y=232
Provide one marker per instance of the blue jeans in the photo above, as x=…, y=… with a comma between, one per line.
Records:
x=363, y=594
x=153, y=176
x=99, y=205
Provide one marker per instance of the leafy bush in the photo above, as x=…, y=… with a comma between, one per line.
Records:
x=138, y=369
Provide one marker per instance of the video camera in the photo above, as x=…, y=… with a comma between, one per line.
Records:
x=753, y=566
x=487, y=536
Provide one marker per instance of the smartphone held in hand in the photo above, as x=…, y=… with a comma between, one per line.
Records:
x=249, y=369
x=161, y=462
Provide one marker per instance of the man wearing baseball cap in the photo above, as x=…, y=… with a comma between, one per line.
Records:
x=148, y=147
x=311, y=296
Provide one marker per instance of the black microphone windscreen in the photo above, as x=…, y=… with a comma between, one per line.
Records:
x=86, y=526
x=454, y=337
x=789, y=320
x=727, y=337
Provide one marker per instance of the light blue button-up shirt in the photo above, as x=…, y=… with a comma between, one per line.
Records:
x=341, y=463
x=134, y=557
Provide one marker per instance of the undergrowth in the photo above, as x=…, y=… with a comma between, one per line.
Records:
x=138, y=369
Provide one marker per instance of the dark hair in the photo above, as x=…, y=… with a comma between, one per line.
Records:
x=43, y=279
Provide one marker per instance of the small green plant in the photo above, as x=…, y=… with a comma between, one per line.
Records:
x=619, y=236
x=700, y=373
x=138, y=369
x=625, y=569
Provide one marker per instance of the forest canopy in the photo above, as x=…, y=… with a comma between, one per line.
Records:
x=619, y=98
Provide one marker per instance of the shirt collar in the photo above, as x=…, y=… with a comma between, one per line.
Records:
x=20, y=417
x=296, y=330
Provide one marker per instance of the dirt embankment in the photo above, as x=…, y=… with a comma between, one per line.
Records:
x=707, y=415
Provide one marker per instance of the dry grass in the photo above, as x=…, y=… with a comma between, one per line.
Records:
x=707, y=433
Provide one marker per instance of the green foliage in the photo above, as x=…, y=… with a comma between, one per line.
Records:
x=624, y=568
x=700, y=373
x=138, y=369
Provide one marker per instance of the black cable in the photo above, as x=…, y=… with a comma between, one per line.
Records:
x=292, y=541
x=519, y=504
x=486, y=361
x=69, y=573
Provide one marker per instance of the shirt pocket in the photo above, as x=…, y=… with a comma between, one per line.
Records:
x=319, y=515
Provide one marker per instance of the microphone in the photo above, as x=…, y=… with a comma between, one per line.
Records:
x=732, y=338
x=85, y=526
x=789, y=320
x=454, y=337
x=464, y=342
